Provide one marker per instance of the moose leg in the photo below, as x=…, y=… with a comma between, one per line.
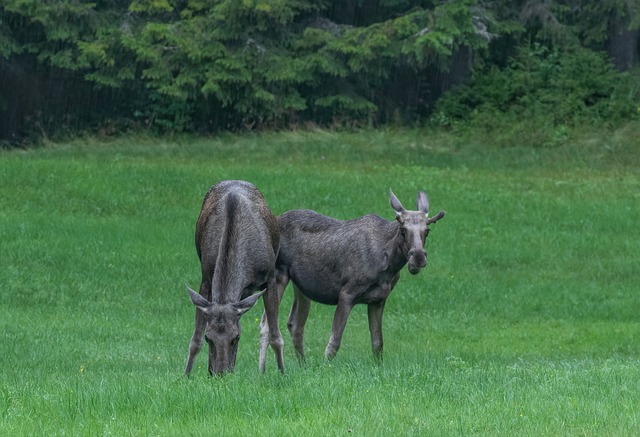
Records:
x=198, y=332
x=297, y=320
x=281, y=283
x=375, y=311
x=337, y=329
x=293, y=313
x=271, y=302
x=264, y=343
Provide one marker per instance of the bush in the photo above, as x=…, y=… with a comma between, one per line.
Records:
x=542, y=95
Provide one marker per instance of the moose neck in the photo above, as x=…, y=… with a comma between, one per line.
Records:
x=394, y=247
x=227, y=284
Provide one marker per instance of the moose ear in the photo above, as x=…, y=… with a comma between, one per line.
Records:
x=395, y=203
x=423, y=202
x=245, y=304
x=198, y=300
x=435, y=218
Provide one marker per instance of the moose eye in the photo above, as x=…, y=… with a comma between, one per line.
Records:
x=403, y=231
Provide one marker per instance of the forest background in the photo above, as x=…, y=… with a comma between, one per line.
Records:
x=535, y=71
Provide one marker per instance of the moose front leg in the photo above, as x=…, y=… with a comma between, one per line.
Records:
x=375, y=311
x=198, y=331
x=271, y=303
x=337, y=329
x=196, y=341
x=281, y=284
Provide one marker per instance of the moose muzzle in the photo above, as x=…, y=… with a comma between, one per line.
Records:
x=417, y=260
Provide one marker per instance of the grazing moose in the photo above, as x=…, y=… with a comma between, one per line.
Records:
x=345, y=263
x=237, y=240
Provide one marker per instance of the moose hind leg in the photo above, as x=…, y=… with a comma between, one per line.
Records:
x=297, y=320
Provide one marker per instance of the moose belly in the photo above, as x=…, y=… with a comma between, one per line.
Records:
x=317, y=288
x=374, y=294
x=321, y=297
x=324, y=290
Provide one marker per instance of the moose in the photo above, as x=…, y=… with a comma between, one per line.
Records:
x=237, y=240
x=345, y=263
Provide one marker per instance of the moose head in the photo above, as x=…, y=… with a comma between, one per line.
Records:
x=223, y=329
x=414, y=228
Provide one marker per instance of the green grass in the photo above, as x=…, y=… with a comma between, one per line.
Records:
x=526, y=321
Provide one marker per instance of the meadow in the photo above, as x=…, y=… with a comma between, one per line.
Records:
x=525, y=322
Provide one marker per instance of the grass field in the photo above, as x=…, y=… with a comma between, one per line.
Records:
x=526, y=321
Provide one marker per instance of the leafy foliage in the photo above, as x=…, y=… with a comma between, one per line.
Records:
x=193, y=65
x=542, y=93
x=579, y=22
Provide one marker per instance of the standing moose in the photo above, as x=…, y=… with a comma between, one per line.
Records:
x=237, y=240
x=345, y=263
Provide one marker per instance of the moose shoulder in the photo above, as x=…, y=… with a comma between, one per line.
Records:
x=345, y=263
x=237, y=240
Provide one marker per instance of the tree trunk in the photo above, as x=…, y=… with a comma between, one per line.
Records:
x=622, y=43
x=19, y=99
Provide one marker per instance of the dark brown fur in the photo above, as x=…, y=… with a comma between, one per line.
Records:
x=237, y=240
x=345, y=263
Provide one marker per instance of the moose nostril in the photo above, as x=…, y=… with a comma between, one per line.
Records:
x=416, y=252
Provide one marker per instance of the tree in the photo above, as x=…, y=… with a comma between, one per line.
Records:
x=196, y=65
x=610, y=25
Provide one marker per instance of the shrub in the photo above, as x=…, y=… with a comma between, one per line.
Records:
x=542, y=94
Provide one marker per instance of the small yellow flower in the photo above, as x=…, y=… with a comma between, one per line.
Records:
x=81, y=369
